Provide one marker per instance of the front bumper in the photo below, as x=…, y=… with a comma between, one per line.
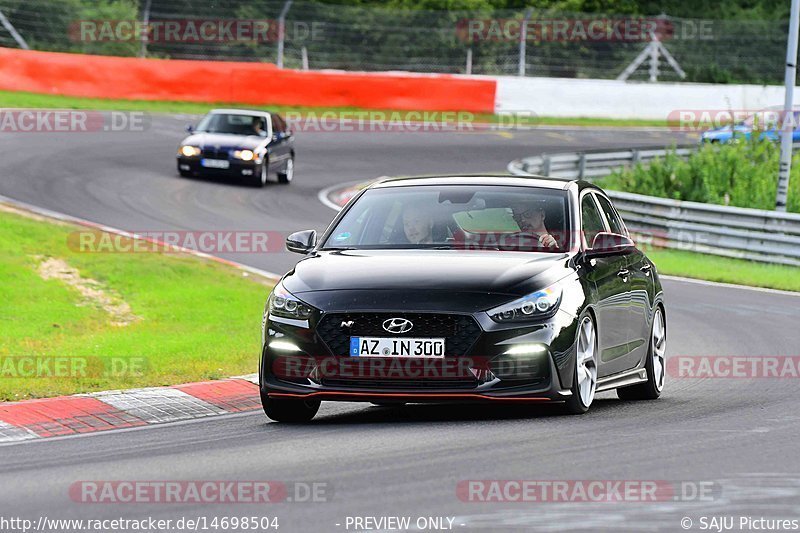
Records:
x=237, y=168
x=480, y=372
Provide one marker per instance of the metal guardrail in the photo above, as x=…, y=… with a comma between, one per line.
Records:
x=754, y=234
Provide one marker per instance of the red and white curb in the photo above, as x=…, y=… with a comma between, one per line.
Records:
x=122, y=409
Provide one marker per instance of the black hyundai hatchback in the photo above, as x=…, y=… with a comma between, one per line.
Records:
x=464, y=288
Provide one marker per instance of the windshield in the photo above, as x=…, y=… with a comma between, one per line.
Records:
x=233, y=124
x=455, y=216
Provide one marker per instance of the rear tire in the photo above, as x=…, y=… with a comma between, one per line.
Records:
x=291, y=411
x=286, y=176
x=655, y=364
x=584, y=378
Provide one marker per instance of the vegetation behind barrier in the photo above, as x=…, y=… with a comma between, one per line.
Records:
x=742, y=175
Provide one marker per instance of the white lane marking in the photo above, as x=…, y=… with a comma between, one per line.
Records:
x=108, y=229
x=9, y=433
x=322, y=195
x=158, y=405
x=728, y=285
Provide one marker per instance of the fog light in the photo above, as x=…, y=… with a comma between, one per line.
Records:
x=526, y=349
x=247, y=172
x=284, y=346
x=185, y=167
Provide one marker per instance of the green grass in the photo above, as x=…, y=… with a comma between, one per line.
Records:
x=200, y=320
x=725, y=270
x=35, y=100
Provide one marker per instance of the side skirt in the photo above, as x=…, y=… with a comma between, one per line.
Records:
x=623, y=379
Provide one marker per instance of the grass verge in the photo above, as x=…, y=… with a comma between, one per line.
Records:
x=35, y=100
x=725, y=269
x=194, y=319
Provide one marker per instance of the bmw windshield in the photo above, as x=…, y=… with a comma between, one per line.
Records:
x=507, y=218
x=235, y=124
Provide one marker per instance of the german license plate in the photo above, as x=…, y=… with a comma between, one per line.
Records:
x=215, y=163
x=396, y=347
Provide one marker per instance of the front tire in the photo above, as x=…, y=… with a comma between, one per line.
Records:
x=286, y=176
x=291, y=411
x=259, y=179
x=584, y=378
x=655, y=364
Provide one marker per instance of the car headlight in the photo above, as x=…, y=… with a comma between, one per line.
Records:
x=540, y=304
x=244, y=155
x=285, y=304
x=189, y=151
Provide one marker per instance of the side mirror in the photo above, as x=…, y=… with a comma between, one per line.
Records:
x=607, y=244
x=189, y=128
x=301, y=242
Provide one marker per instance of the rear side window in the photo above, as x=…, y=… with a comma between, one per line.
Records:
x=278, y=125
x=591, y=221
x=614, y=221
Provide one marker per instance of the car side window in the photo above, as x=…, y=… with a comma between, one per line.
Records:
x=614, y=221
x=278, y=125
x=591, y=221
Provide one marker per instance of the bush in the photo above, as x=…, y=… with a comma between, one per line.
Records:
x=743, y=175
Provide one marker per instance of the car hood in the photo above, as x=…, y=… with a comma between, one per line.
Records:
x=223, y=140
x=422, y=271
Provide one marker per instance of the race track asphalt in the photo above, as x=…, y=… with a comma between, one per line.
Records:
x=740, y=435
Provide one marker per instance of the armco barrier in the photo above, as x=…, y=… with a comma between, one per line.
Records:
x=249, y=83
x=766, y=236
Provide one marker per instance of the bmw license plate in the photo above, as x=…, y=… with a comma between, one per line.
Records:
x=215, y=163
x=395, y=347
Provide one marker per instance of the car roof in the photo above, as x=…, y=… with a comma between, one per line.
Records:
x=239, y=112
x=483, y=179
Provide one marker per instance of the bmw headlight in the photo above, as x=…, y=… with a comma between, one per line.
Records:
x=285, y=304
x=244, y=155
x=540, y=304
x=189, y=151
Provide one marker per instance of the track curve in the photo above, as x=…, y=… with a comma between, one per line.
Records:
x=739, y=434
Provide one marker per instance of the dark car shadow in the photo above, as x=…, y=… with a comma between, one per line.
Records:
x=455, y=412
x=226, y=180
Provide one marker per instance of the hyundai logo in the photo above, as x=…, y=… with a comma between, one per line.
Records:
x=397, y=325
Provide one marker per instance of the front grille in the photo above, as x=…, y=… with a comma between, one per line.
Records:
x=215, y=153
x=460, y=331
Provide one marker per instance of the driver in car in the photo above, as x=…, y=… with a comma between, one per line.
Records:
x=418, y=225
x=530, y=218
x=258, y=126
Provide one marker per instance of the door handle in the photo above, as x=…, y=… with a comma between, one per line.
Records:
x=623, y=273
x=647, y=268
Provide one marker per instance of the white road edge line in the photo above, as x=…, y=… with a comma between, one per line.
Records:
x=109, y=229
x=728, y=285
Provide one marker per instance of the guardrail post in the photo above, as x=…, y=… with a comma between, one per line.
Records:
x=545, y=165
x=581, y=166
x=637, y=157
